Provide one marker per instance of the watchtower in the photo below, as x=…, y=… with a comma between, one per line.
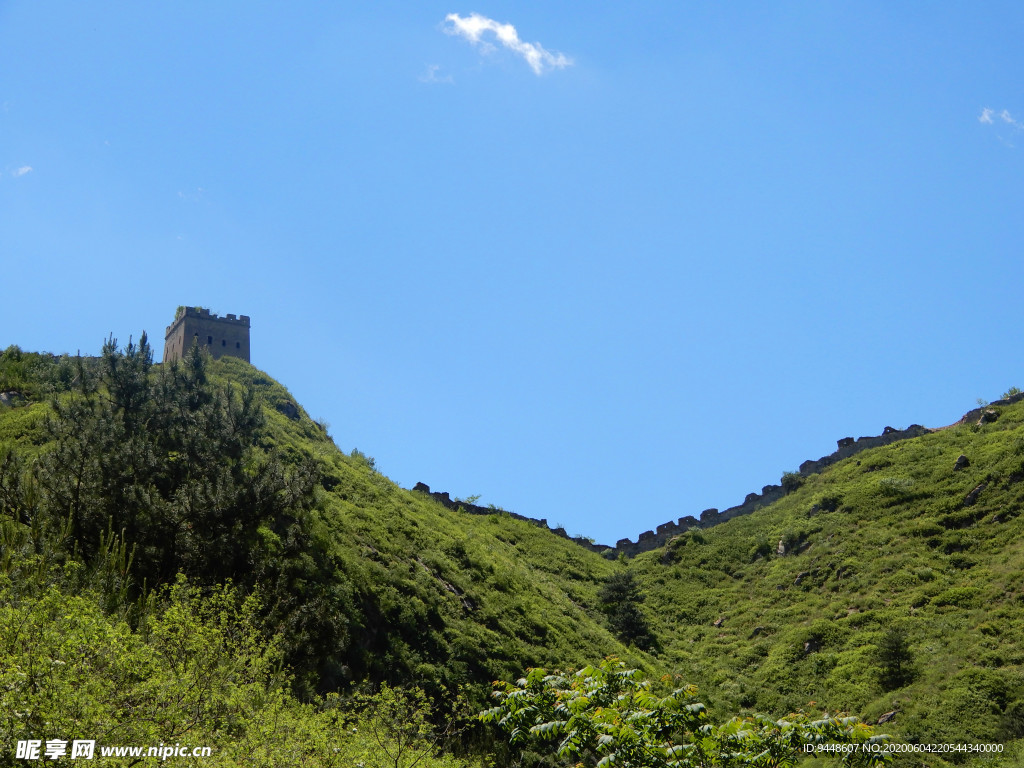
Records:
x=218, y=335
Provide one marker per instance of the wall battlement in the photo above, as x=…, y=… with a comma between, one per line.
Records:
x=649, y=540
x=220, y=336
x=204, y=314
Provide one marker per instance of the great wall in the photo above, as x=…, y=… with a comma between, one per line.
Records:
x=649, y=540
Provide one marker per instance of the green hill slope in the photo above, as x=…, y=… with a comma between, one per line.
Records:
x=891, y=581
x=370, y=582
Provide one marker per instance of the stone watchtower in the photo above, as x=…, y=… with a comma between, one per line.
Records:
x=218, y=335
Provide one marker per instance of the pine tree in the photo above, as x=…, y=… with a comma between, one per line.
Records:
x=620, y=598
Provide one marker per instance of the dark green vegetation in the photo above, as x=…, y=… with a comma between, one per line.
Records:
x=132, y=493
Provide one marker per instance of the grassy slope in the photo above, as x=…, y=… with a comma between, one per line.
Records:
x=441, y=596
x=447, y=596
x=901, y=550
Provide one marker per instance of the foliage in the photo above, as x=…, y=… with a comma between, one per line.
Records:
x=139, y=472
x=399, y=728
x=830, y=502
x=903, y=553
x=620, y=599
x=609, y=715
x=198, y=671
x=791, y=481
x=895, y=661
x=32, y=375
x=360, y=580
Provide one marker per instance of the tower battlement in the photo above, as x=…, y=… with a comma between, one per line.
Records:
x=220, y=336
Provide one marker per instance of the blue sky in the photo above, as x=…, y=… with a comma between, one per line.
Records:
x=607, y=266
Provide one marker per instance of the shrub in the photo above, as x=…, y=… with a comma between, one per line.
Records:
x=791, y=481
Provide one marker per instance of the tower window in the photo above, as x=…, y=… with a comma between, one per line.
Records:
x=223, y=342
x=238, y=345
x=209, y=339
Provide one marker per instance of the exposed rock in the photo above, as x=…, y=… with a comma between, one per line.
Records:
x=11, y=398
x=887, y=717
x=972, y=497
x=781, y=549
x=718, y=622
x=422, y=487
x=800, y=577
x=812, y=646
x=757, y=631
x=988, y=416
x=961, y=462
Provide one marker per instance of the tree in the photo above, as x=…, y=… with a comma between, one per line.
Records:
x=399, y=728
x=609, y=715
x=895, y=661
x=620, y=599
x=171, y=466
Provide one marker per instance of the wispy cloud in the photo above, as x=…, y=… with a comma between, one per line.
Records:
x=474, y=26
x=989, y=116
x=1006, y=118
x=192, y=196
x=22, y=171
x=431, y=76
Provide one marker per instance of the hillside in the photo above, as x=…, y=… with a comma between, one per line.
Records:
x=891, y=581
x=118, y=477
x=423, y=592
x=888, y=584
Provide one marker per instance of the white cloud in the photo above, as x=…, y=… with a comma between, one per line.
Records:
x=474, y=26
x=1006, y=118
x=431, y=76
x=987, y=115
x=22, y=171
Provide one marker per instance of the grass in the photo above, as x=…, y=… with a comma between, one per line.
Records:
x=885, y=539
x=899, y=549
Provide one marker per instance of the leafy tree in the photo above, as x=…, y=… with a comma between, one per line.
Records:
x=609, y=715
x=620, y=598
x=399, y=728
